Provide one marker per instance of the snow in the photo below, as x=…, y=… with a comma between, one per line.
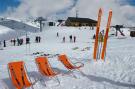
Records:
x=116, y=72
x=4, y=30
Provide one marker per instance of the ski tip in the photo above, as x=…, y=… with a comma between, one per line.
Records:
x=110, y=11
x=100, y=10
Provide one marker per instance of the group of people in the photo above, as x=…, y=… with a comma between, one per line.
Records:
x=71, y=38
x=19, y=41
x=100, y=36
x=38, y=39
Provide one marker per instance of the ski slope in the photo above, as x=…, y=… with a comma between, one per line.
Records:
x=116, y=72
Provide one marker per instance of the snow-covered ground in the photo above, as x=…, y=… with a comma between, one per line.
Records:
x=116, y=72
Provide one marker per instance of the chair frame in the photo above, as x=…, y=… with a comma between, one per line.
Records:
x=49, y=66
x=73, y=65
x=25, y=71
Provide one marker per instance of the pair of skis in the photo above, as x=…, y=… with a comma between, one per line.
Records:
x=96, y=48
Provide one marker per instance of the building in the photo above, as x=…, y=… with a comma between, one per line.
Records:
x=77, y=22
x=51, y=23
x=132, y=32
x=61, y=22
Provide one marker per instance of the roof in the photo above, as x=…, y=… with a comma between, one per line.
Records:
x=132, y=30
x=81, y=20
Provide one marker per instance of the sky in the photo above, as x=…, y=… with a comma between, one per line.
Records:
x=4, y=4
x=131, y=2
x=123, y=10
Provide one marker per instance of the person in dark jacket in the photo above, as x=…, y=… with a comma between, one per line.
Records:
x=94, y=36
x=70, y=37
x=64, y=39
x=36, y=39
x=18, y=41
x=57, y=34
x=0, y=45
x=4, y=42
x=11, y=41
x=21, y=41
x=39, y=39
x=27, y=40
x=74, y=39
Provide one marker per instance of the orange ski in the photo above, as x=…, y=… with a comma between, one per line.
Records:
x=97, y=32
x=106, y=35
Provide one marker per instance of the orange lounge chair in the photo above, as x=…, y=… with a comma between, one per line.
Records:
x=17, y=72
x=45, y=68
x=69, y=65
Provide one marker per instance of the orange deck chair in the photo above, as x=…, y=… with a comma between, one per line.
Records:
x=69, y=65
x=45, y=68
x=17, y=72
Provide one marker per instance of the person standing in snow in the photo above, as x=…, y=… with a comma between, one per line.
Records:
x=57, y=34
x=74, y=39
x=70, y=37
x=18, y=41
x=64, y=39
x=101, y=38
x=11, y=41
x=4, y=42
x=14, y=42
x=94, y=36
x=0, y=45
x=39, y=39
x=102, y=32
x=27, y=40
x=36, y=39
x=21, y=41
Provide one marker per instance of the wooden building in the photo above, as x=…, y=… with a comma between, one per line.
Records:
x=78, y=22
x=132, y=32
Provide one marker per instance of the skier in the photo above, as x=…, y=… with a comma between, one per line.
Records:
x=36, y=39
x=39, y=39
x=103, y=32
x=27, y=40
x=18, y=41
x=4, y=42
x=74, y=39
x=0, y=45
x=14, y=42
x=100, y=41
x=11, y=41
x=70, y=38
x=100, y=37
x=94, y=36
x=27, y=45
x=21, y=41
x=64, y=39
x=57, y=34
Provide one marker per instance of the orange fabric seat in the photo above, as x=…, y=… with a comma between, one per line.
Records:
x=64, y=59
x=18, y=75
x=45, y=67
